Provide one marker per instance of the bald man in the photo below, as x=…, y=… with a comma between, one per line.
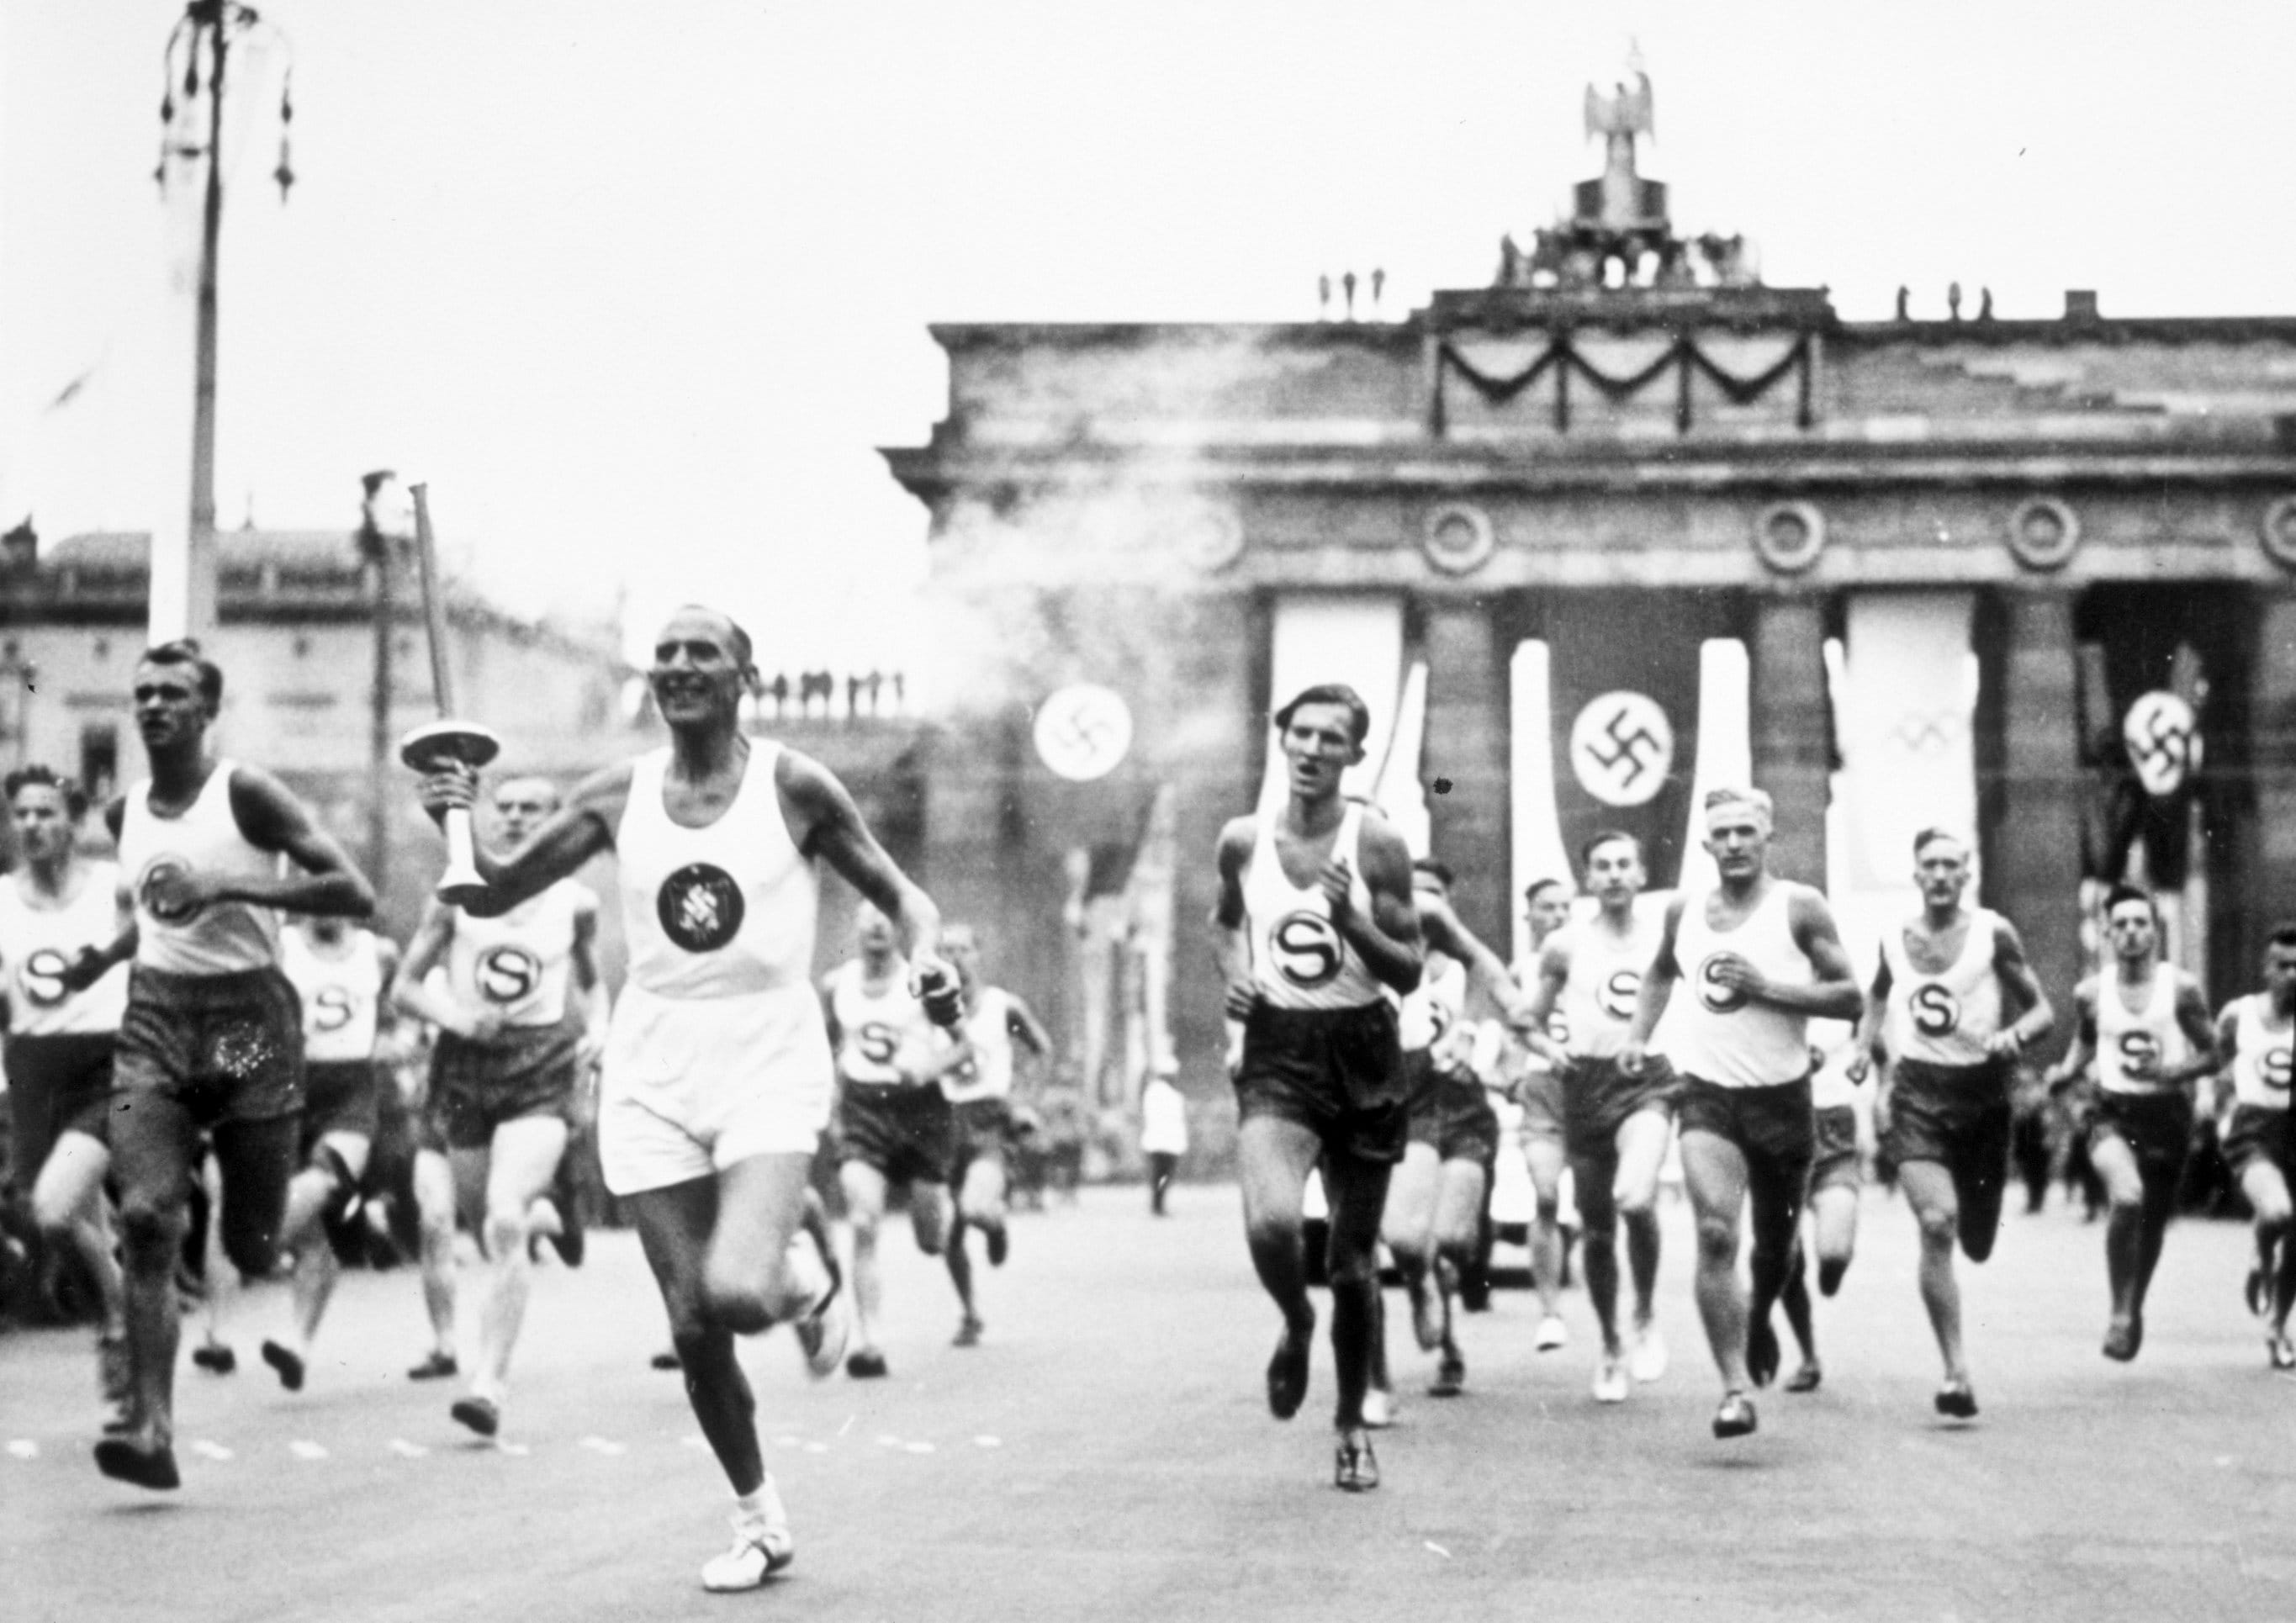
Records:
x=512, y=1046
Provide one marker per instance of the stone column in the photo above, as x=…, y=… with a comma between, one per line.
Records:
x=1792, y=727
x=2271, y=891
x=1467, y=750
x=2032, y=856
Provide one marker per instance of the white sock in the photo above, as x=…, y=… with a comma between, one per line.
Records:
x=758, y=1510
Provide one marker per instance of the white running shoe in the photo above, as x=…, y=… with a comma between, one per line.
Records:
x=1647, y=1362
x=1611, y=1383
x=1553, y=1334
x=762, y=1547
x=1378, y=1409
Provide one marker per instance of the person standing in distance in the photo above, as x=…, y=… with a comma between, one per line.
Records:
x=1954, y=1003
x=212, y=1038
x=1315, y=926
x=2146, y=1026
x=1762, y=957
x=717, y=1076
x=2254, y=1034
x=59, y=1042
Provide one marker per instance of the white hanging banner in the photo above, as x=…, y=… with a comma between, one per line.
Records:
x=1327, y=637
x=1401, y=795
x=1538, y=831
x=1726, y=748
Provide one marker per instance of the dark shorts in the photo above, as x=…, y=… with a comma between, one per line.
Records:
x=1598, y=1098
x=1959, y=1115
x=909, y=1134
x=56, y=1085
x=1337, y=1072
x=475, y=1088
x=1775, y=1129
x=977, y=1127
x=1834, y=1158
x=2257, y=1134
x=1450, y=1112
x=339, y=1097
x=2157, y=1128
x=223, y=1047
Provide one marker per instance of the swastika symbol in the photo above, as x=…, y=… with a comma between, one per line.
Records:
x=1082, y=732
x=2163, y=739
x=1621, y=747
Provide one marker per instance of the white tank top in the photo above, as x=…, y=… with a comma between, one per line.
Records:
x=2262, y=1065
x=223, y=938
x=2122, y=1037
x=1430, y=1017
x=872, y=1027
x=719, y=912
x=1716, y=1033
x=1596, y=1005
x=1299, y=958
x=1945, y=1019
x=37, y=944
x=518, y=963
x=989, y=1074
x=340, y=995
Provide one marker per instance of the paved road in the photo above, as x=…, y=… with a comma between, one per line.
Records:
x=1105, y=1454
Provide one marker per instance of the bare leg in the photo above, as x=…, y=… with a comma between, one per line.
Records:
x=864, y=1211
x=2267, y=1191
x=1641, y=1141
x=1596, y=1178
x=1409, y=1227
x=1714, y=1176
x=1358, y=1194
x=1834, y=1226
x=2115, y=1166
x=523, y=1160
x=1937, y=1208
x=434, y=1202
x=1543, y=1157
x=309, y=1194
x=1274, y=1157
x=68, y=1204
x=1458, y=1221
x=674, y=1225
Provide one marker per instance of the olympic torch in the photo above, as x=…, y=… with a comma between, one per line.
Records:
x=434, y=744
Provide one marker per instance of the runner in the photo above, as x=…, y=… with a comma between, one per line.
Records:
x=58, y=1049
x=894, y=1127
x=1616, y=1124
x=2146, y=1026
x=1829, y=1217
x=212, y=1037
x=718, y=1078
x=339, y=974
x=1538, y=1089
x=1163, y=1134
x=1762, y=957
x=1435, y=1201
x=1955, y=1003
x=2253, y=1034
x=1315, y=927
x=512, y=1049
x=973, y=1064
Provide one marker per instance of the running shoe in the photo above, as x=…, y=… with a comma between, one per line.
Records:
x=1646, y=1362
x=2259, y=1300
x=128, y=1462
x=1957, y=1401
x=866, y=1364
x=1000, y=1243
x=1611, y=1382
x=1553, y=1334
x=968, y=1331
x=2123, y=1340
x=1378, y=1409
x=1450, y=1375
x=1355, y=1469
x=667, y=1360
x=287, y=1362
x=482, y=1416
x=437, y=1366
x=215, y=1358
x=1426, y=1312
x=823, y=1333
x=1807, y=1378
x=1736, y=1417
x=759, y=1551
x=1287, y=1373
x=1761, y=1351
x=2282, y=1351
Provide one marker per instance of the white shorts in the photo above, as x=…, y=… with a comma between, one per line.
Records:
x=692, y=1084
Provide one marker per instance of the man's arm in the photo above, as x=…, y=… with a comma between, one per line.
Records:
x=1657, y=991
x=1869, y=1023
x=2035, y=1018
x=825, y=823
x=1230, y=939
x=1440, y=927
x=2083, y=1047
x=2228, y=1051
x=273, y=819
x=1027, y=1029
x=1545, y=992
x=582, y=958
x=386, y=966
x=1387, y=940
x=90, y=964
x=411, y=989
x=2200, y=1030
x=1833, y=996
x=583, y=828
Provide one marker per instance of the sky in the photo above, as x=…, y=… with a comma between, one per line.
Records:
x=637, y=291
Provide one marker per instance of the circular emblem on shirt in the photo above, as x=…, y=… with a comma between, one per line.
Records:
x=1621, y=747
x=877, y=1042
x=158, y=867
x=42, y=977
x=1936, y=1012
x=507, y=974
x=2140, y=1053
x=699, y=907
x=1620, y=993
x=2276, y=1067
x=1305, y=949
x=1083, y=731
x=331, y=1008
x=1715, y=996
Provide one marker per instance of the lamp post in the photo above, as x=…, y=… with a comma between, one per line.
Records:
x=386, y=531
x=197, y=54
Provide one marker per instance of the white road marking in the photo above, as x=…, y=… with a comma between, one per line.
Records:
x=24, y=1448
x=207, y=1450
x=599, y=1444
x=816, y=1447
x=919, y=1447
x=787, y=1442
x=406, y=1450
x=1438, y=1549
x=515, y=1450
x=695, y=1439
x=848, y=1426
x=303, y=1449
x=988, y=1442
x=889, y=1442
